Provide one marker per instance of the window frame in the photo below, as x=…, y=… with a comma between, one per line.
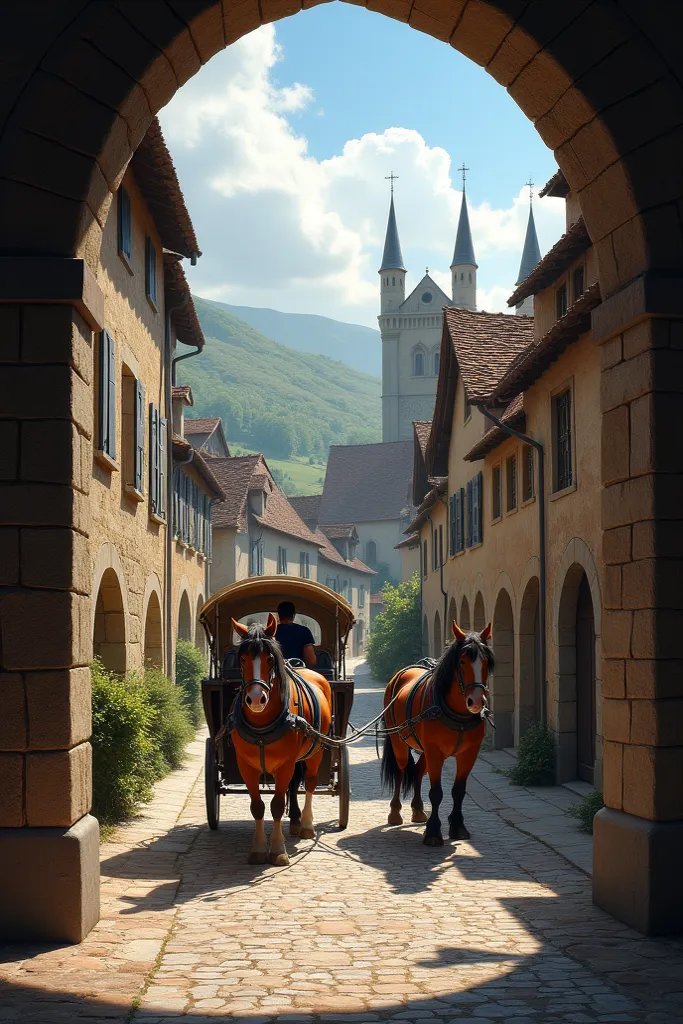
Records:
x=124, y=227
x=151, y=273
x=497, y=492
x=561, y=300
x=579, y=269
x=419, y=354
x=528, y=474
x=511, y=484
x=560, y=485
x=305, y=565
x=282, y=561
x=106, y=398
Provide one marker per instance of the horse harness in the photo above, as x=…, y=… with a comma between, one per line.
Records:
x=262, y=736
x=437, y=709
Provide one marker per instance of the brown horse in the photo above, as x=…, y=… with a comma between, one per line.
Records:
x=265, y=740
x=454, y=692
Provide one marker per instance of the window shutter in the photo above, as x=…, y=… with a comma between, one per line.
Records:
x=124, y=223
x=461, y=539
x=469, y=514
x=151, y=271
x=478, y=519
x=139, y=436
x=162, y=429
x=111, y=398
x=451, y=524
x=153, y=460
x=103, y=393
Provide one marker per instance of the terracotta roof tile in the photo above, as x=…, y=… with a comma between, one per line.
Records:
x=438, y=490
x=410, y=542
x=567, y=248
x=201, y=425
x=234, y=475
x=514, y=415
x=338, y=531
x=367, y=482
x=485, y=344
x=329, y=553
x=377, y=598
x=156, y=177
x=422, y=430
x=182, y=449
x=182, y=393
x=280, y=516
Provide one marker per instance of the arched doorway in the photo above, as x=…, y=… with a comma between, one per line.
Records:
x=529, y=698
x=109, y=632
x=153, y=640
x=479, y=614
x=438, y=648
x=576, y=718
x=184, y=618
x=503, y=689
x=464, y=622
x=425, y=637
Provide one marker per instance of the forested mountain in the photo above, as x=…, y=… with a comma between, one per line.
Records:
x=274, y=399
x=357, y=346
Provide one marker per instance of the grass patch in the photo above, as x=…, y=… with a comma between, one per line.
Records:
x=535, y=765
x=586, y=810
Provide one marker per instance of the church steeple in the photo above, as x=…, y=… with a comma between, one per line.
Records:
x=531, y=256
x=392, y=271
x=464, y=265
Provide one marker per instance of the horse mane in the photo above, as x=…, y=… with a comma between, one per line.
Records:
x=258, y=642
x=448, y=664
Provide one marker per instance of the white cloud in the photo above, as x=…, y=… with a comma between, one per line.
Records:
x=280, y=228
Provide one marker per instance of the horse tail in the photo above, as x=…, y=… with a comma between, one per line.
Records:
x=390, y=770
x=409, y=775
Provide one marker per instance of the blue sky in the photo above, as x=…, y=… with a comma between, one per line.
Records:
x=282, y=143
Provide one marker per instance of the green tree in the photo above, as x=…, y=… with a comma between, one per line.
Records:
x=395, y=639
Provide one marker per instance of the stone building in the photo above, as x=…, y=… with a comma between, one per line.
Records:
x=480, y=499
x=83, y=83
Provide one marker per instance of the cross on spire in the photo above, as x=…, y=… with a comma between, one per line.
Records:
x=530, y=184
x=464, y=174
x=392, y=178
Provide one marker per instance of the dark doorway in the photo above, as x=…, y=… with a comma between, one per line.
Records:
x=585, y=683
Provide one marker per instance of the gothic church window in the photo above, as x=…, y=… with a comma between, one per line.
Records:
x=393, y=281
x=371, y=553
x=418, y=364
x=436, y=358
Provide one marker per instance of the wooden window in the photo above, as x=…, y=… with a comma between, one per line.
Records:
x=496, y=493
x=528, y=473
x=425, y=562
x=139, y=437
x=256, y=560
x=562, y=424
x=151, y=272
x=132, y=433
x=157, y=463
x=452, y=525
x=511, y=482
x=305, y=565
x=106, y=397
x=282, y=561
x=578, y=282
x=474, y=510
x=460, y=520
x=561, y=301
x=124, y=223
x=470, y=522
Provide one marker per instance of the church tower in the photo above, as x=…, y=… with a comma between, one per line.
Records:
x=464, y=265
x=392, y=271
x=531, y=256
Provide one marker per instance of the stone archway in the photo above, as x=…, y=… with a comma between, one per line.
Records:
x=438, y=640
x=577, y=679
x=503, y=687
x=464, y=622
x=479, y=616
x=529, y=702
x=184, y=631
x=153, y=636
x=71, y=128
x=109, y=629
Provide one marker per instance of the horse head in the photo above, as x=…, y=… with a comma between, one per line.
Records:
x=470, y=659
x=261, y=663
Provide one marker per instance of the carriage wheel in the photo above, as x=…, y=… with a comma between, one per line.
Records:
x=343, y=787
x=211, y=784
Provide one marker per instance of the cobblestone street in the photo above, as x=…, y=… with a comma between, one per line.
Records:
x=365, y=925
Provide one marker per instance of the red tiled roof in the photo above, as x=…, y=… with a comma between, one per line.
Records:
x=179, y=301
x=557, y=186
x=156, y=177
x=567, y=249
x=307, y=506
x=438, y=490
x=329, y=553
x=485, y=344
x=537, y=358
x=339, y=531
x=201, y=426
x=377, y=598
x=182, y=449
x=514, y=415
x=410, y=542
x=367, y=482
x=422, y=429
x=182, y=393
x=280, y=516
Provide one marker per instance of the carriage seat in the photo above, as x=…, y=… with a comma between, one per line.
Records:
x=323, y=663
x=231, y=666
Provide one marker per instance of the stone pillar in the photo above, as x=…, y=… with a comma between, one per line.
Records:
x=49, y=844
x=638, y=843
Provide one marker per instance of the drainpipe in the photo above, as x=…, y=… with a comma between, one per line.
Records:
x=435, y=533
x=441, y=560
x=542, y=544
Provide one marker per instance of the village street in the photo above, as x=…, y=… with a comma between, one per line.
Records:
x=365, y=925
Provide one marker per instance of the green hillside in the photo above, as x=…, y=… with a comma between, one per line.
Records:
x=277, y=400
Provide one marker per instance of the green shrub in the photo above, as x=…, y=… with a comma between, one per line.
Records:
x=171, y=727
x=586, y=810
x=190, y=669
x=124, y=761
x=396, y=637
x=535, y=764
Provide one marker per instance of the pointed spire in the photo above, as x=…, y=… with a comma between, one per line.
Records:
x=531, y=254
x=392, y=259
x=464, y=249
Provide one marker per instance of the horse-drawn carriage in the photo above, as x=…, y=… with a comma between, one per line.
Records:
x=252, y=600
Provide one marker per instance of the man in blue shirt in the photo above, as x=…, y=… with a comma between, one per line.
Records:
x=296, y=641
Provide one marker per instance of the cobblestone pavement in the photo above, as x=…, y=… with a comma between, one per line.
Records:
x=365, y=925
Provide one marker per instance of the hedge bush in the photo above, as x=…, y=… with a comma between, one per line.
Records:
x=140, y=730
x=190, y=669
x=535, y=764
x=396, y=637
x=586, y=810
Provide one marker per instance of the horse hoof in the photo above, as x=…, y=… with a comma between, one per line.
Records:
x=433, y=840
x=307, y=833
x=417, y=817
x=257, y=858
x=278, y=860
x=395, y=818
x=458, y=833
x=295, y=828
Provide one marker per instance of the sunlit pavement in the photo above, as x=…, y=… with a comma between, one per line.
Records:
x=365, y=925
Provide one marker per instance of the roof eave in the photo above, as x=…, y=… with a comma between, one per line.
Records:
x=568, y=248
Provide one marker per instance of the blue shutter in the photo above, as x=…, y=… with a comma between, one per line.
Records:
x=110, y=435
x=479, y=523
x=162, y=430
x=470, y=521
x=124, y=223
x=461, y=533
x=103, y=393
x=151, y=271
x=153, y=460
x=451, y=525
x=139, y=436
